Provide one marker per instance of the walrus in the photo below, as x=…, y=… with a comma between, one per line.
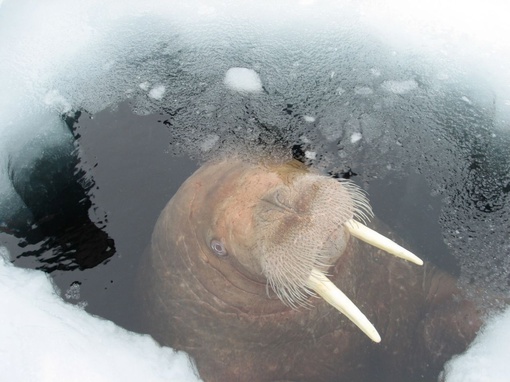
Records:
x=250, y=263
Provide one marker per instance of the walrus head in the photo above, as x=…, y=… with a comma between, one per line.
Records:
x=283, y=225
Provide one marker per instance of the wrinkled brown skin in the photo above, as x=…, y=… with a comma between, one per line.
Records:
x=194, y=301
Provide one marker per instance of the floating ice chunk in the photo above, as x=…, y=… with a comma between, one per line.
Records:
x=309, y=118
x=487, y=357
x=363, y=90
x=243, y=80
x=399, y=87
x=157, y=92
x=355, y=137
x=42, y=338
x=73, y=293
x=375, y=72
x=310, y=155
x=144, y=86
x=340, y=90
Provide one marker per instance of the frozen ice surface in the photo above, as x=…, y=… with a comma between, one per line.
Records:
x=399, y=87
x=56, y=101
x=486, y=360
x=209, y=142
x=466, y=100
x=363, y=90
x=243, y=80
x=42, y=338
x=144, y=85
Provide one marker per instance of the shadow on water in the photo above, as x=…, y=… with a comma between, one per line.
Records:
x=56, y=192
x=92, y=205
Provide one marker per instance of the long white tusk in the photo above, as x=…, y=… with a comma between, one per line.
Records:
x=335, y=297
x=369, y=236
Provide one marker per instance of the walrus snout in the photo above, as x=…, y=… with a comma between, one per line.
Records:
x=308, y=219
x=279, y=224
x=299, y=226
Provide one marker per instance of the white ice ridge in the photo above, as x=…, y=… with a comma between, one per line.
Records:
x=486, y=360
x=42, y=338
x=243, y=80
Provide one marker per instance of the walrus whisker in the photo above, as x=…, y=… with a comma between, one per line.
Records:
x=374, y=238
x=319, y=283
x=361, y=206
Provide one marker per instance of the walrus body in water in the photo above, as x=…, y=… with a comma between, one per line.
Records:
x=250, y=263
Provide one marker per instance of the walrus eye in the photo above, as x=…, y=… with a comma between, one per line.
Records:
x=218, y=248
x=281, y=200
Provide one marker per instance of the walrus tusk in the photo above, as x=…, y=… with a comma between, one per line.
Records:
x=371, y=237
x=319, y=283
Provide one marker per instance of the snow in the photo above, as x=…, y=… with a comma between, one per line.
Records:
x=486, y=360
x=42, y=338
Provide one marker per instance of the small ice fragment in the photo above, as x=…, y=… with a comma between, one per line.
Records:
x=375, y=72
x=243, y=80
x=309, y=118
x=466, y=99
x=73, y=293
x=507, y=102
x=363, y=90
x=340, y=90
x=310, y=154
x=399, y=87
x=144, y=86
x=157, y=92
x=355, y=137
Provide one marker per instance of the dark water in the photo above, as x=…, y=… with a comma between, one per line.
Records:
x=122, y=178
x=123, y=168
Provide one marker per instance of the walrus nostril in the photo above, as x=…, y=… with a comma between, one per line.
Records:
x=218, y=248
